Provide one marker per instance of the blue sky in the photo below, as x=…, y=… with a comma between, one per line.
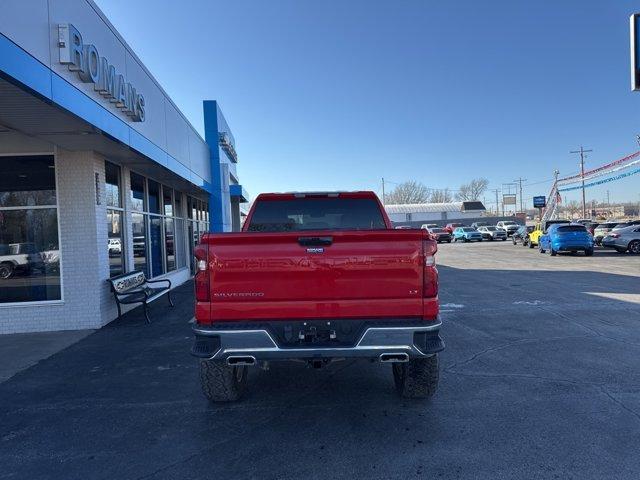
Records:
x=339, y=93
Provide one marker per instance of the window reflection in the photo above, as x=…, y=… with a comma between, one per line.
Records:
x=179, y=243
x=115, y=242
x=29, y=255
x=137, y=192
x=167, y=200
x=112, y=184
x=139, y=234
x=169, y=236
x=155, y=232
x=115, y=239
x=27, y=181
x=154, y=196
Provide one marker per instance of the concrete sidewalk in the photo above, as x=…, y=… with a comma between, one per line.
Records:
x=19, y=351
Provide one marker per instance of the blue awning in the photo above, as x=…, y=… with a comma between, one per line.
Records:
x=238, y=193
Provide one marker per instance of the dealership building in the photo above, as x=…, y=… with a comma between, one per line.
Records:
x=100, y=172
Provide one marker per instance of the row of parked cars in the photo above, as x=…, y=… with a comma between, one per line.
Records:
x=562, y=235
x=477, y=232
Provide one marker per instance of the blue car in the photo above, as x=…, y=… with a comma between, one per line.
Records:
x=566, y=238
x=467, y=234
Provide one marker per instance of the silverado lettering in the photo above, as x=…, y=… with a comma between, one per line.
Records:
x=238, y=294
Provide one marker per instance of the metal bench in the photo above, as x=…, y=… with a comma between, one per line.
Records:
x=134, y=287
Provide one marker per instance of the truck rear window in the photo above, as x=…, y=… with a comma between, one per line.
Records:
x=316, y=214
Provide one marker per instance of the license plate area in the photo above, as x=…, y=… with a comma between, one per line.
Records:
x=317, y=333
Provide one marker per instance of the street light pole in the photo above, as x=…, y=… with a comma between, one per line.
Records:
x=582, y=152
x=497, y=202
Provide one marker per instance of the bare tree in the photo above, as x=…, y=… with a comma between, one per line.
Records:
x=473, y=190
x=441, y=196
x=571, y=208
x=408, y=192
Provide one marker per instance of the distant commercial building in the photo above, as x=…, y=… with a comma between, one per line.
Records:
x=611, y=211
x=100, y=172
x=441, y=213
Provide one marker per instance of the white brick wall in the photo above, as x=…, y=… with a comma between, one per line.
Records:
x=86, y=299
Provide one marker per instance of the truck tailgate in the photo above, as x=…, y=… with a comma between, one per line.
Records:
x=304, y=275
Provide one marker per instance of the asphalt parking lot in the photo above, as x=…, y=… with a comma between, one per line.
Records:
x=540, y=379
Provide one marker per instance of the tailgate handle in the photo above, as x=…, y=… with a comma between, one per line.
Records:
x=315, y=241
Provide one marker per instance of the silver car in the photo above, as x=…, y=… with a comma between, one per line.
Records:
x=602, y=230
x=509, y=226
x=622, y=225
x=625, y=239
x=492, y=233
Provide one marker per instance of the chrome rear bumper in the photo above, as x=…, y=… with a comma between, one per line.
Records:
x=414, y=341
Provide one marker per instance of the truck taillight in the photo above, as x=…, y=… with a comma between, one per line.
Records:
x=430, y=272
x=201, y=278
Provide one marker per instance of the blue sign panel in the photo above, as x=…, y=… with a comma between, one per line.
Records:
x=540, y=202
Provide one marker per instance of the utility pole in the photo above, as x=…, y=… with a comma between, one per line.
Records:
x=383, y=199
x=520, y=180
x=582, y=152
x=497, y=203
x=608, y=199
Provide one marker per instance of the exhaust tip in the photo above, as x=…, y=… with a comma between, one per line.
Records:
x=241, y=360
x=394, y=357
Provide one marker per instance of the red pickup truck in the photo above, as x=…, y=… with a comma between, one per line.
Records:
x=316, y=277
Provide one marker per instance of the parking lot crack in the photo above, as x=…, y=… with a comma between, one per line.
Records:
x=525, y=376
x=506, y=345
x=619, y=403
x=590, y=329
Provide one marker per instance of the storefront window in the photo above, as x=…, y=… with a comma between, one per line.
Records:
x=193, y=228
x=159, y=235
x=194, y=208
x=191, y=235
x=29, y=248
x=169, y=229
x=169, y=239
x=112, y=182
x=179, y=235
x=137, y=192
x=155, y=242
x=167, y=200
x=139, y=235
x=179, y=243
x=154, y=196
x=178, y=203
x=115, y=239
x=115, y=242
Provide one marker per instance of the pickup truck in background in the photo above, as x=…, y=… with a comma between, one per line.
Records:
x=316, y=277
